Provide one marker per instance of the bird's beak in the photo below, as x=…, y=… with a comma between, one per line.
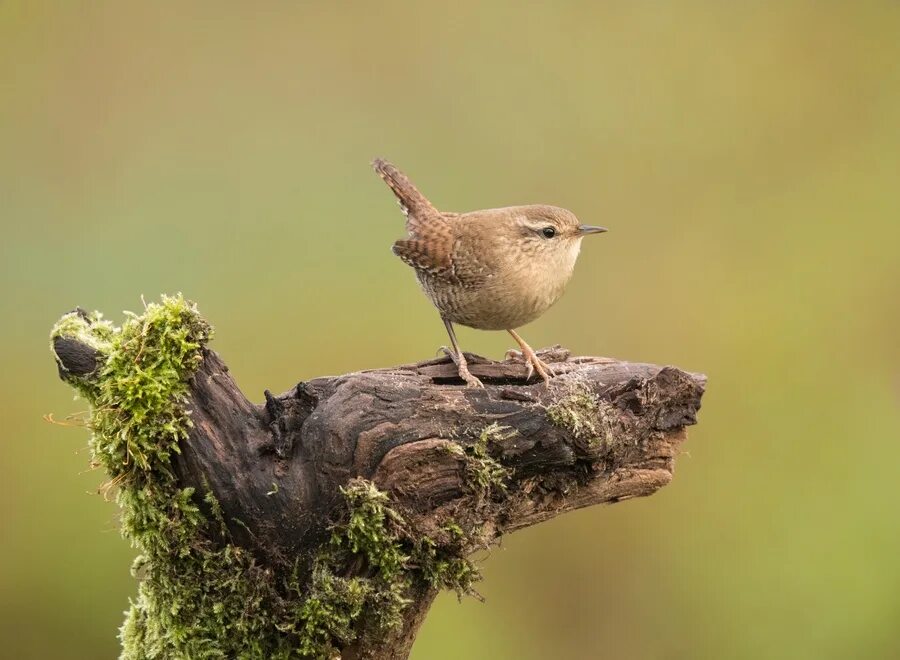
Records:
x=584, y=230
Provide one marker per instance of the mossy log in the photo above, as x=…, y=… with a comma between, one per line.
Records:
x=328, y=517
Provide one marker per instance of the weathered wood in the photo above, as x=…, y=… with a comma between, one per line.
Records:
x=276, y=467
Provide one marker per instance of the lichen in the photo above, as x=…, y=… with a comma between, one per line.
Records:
x=576, y=411
x=199, y=598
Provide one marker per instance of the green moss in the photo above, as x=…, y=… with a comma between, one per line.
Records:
x=200, y=599
x=443, y=568
x=194, y=599
x=139, y=414
x=371, y=529
x=484, y=474
x=576, y=411
x=328, y=610
x=384, y=538
x=89, y=329
x=585, y=415
x=375, y=538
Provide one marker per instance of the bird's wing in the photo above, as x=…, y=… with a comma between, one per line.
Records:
x=431, y=240
x=425, y=256
x=437, y=252
x=430, y=246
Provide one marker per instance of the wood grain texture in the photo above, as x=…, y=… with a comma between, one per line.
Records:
x=276, y=467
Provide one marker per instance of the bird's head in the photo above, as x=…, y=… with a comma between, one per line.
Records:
x=549, y=233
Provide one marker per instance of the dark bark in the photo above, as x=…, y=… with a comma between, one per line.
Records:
x=276, y=467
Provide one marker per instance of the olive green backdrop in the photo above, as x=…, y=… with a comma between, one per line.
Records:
x=746, y=157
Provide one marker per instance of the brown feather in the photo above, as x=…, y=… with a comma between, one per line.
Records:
x=416, y=207
x=422, y=256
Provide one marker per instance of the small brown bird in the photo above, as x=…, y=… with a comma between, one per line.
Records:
x=495, y=269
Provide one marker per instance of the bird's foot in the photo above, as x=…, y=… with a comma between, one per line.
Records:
x=471, y=381
x=532, y=363
x=462, y=367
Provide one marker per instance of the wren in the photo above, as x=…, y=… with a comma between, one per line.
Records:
x=494, y=269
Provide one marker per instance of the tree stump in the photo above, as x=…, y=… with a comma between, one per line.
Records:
x=323, y=521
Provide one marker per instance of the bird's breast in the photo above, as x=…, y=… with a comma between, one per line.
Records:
x=509, y=296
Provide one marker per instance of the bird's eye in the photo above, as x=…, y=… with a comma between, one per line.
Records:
x=548, y=232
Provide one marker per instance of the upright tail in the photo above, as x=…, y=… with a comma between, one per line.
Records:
x=415, y=205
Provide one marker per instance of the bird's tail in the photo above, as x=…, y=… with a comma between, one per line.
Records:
x=414, y=204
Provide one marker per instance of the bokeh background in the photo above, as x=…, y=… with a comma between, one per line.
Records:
x=746, y=157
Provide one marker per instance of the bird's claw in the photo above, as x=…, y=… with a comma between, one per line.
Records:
x=466, y=375
x=513, y=354
x=532, y=363
x=462, y=368
x=472, y=382
x=544, y=370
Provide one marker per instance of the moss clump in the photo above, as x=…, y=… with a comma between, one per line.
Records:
x=384, y=538
x=485, y=475
x=389, y=558
x=89, y=329
x=139, y=414
x=576, y=411
x=371, y=528
x=200, y=599
x=328, y=610
x=446, y=570
x=194, y=599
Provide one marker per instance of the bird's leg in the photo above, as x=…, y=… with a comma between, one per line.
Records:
x=457, y=356
x=533, y=362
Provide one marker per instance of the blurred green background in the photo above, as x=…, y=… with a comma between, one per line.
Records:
x=746, y=157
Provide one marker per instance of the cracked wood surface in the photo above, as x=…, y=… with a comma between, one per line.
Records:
x=276, y=467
